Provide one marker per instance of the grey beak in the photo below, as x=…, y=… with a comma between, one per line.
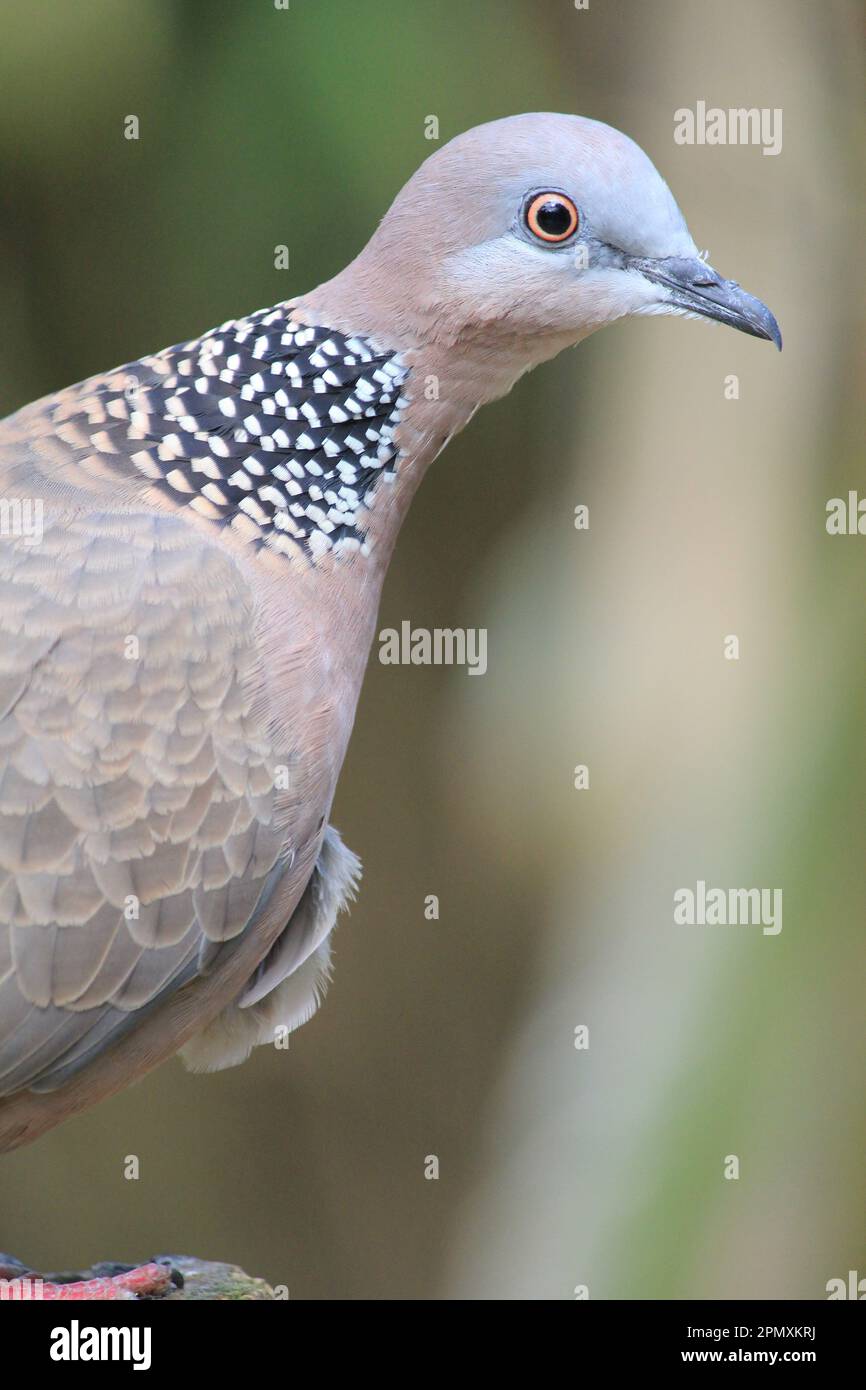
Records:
x=698, y=288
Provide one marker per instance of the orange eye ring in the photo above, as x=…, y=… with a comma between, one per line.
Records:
x=551, y=217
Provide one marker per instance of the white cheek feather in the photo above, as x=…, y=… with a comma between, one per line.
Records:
x=662, y=308
x=609, y=294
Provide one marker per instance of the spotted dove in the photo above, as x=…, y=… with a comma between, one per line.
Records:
x=192, y=555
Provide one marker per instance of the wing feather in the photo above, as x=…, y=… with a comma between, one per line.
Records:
x=137, y=825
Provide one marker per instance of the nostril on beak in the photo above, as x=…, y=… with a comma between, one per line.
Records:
x=697, y=288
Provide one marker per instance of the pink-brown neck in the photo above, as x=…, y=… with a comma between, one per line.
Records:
x=455, y=363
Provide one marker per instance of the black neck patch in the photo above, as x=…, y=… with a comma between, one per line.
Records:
x=280, y=430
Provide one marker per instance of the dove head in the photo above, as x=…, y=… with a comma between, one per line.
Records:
x=540, y=229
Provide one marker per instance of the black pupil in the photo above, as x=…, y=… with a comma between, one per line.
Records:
x=554, y=218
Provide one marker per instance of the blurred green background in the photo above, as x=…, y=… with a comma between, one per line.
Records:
x=558, y=1167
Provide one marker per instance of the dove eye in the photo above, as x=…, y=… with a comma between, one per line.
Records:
x=551, y=217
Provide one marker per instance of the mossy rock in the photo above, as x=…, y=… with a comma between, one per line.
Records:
x=210, y=1279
